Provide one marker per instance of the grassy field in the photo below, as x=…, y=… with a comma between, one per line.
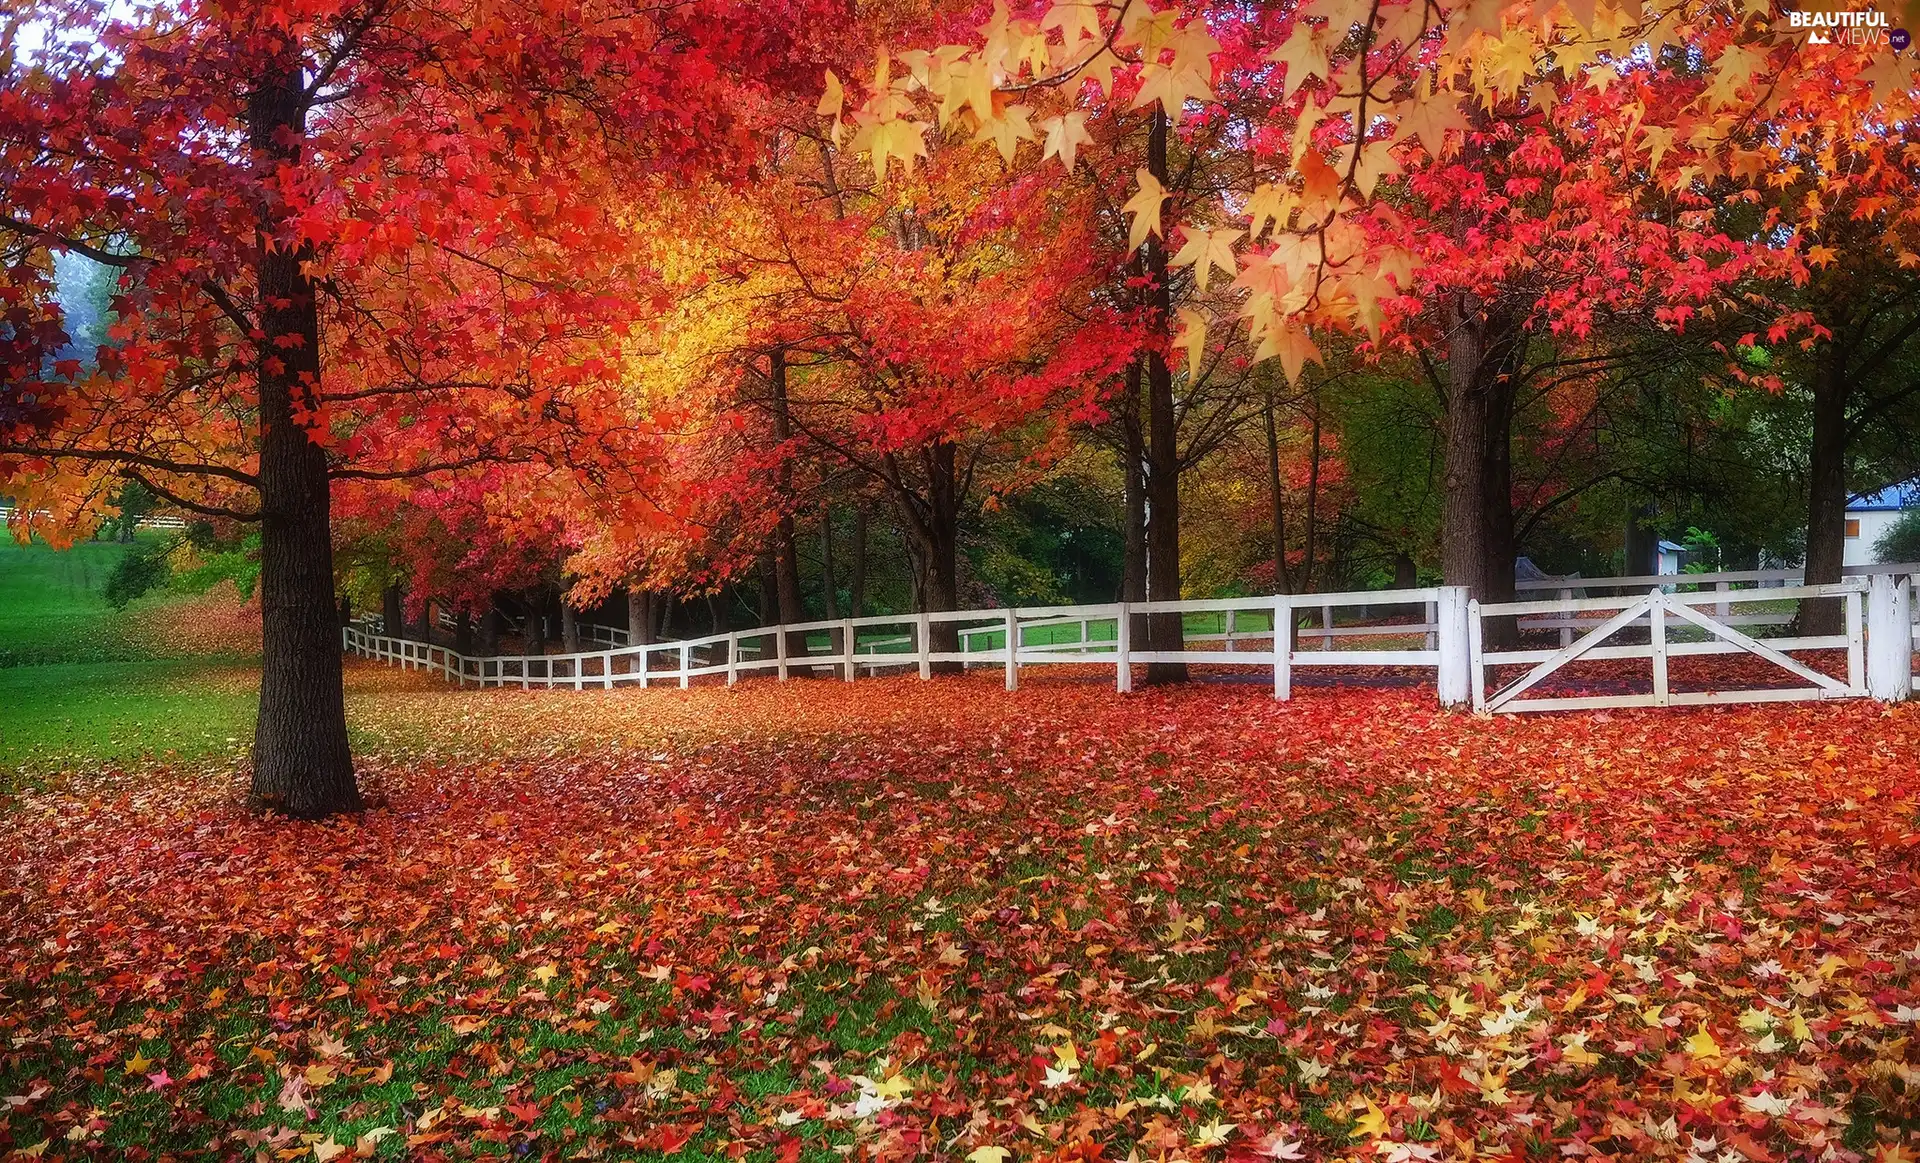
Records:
x=83, y=684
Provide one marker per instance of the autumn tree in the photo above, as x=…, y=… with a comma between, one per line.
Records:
x=1518, y=174
x=358, y=240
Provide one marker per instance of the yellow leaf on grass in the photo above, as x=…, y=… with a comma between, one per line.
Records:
x=988, y=1155
x=1702, y=1045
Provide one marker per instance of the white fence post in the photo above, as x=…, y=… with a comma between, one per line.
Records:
x=1889, y=638
x=1566, y=632
x=1455, y=651
x=780, y=652
x=686, y=661
x=1123, y=651
x=1282, y=646
x=733, y=659
x=1657, y=632
x=846, y=636
x=923, y=631
x=1013, y=650
x=1856, y=645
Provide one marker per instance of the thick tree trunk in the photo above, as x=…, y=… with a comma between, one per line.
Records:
x=569, y=628
x=463, y=632
x=1312, y=520
x=1827, y=497
x=857, y=579
x=1642, y=542
x=536, y=635
x=490, y=631
x=301, y=762
x=393, y=622
x=933, y=525
x=1477, y=546
x=829, y=585
x=1276, y=491
x=639, y=617
x=769, y=612
x=1133, y=453
x=830, y=599
x=1164, y=631
x=423, y=629
x=786, y=555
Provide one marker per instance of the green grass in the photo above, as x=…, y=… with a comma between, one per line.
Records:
x=79, y=714
x=50, y=605
x=79, y=689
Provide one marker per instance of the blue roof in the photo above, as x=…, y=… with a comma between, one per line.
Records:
x=1671, y=547
x=1905, y=496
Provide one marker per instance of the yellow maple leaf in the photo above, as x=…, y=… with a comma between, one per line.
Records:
x=1373, y=1124
x=1145, y=209
x=988, y=1154
x=1204, y=250
x=893, y=1088
x=1065, y=135
x=1702, y=1045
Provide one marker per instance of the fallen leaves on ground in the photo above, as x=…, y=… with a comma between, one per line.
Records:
x=900, y=920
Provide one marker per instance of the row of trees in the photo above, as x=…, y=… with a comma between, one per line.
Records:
x=625, y=302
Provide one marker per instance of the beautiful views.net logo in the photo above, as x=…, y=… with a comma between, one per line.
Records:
x=1868, y=27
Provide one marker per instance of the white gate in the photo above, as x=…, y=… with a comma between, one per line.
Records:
x=1661, y=613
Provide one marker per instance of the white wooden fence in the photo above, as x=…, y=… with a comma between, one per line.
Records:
x=150, y=521
x=1447, y=639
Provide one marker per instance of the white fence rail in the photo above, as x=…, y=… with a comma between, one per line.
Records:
x=150, y=521
x=1226, y=631
x=1446, y=639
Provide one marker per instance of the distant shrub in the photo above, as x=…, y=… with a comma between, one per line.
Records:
x=1901, y=541
x=140, y=571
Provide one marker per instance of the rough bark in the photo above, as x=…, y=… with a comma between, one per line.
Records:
x=490, y=625
x=463, y=632
x=829, y=585
x=1827, y=496
x=392, y=619
x=1642, y=543
x=1312, y=519
x=1477, y=538
x=569, y=628
x=857, y=570
x=786, y=556
x=933, y=525
x=1276, y=491
x=301, y=762
x=536, y=635
x=1133, y=453
x=1164, y=631
x=639, y=617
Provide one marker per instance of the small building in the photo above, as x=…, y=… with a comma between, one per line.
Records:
x=1870, y=516
x=1669, y=557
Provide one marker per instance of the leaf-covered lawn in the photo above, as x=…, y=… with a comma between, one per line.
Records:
x=899, y=920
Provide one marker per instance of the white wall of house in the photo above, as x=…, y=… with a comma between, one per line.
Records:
x=1861, y=537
